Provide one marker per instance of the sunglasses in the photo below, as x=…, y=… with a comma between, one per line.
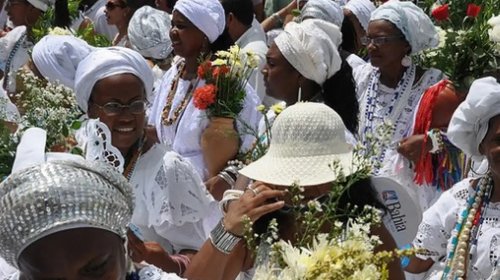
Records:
x=110, y=6
x=115, y=108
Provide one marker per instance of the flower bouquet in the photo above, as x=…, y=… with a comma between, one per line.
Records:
x=465, y=51
x=222, y=98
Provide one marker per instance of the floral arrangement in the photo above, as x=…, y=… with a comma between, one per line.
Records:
x=44, y=26
x=346, y=250
x=465, y=51
x=494, y=32
x=225, y=80
x=42, y=104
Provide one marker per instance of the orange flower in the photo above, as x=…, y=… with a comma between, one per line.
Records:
x=441, y=12
x=203, y=68
x=220, y=70
x=204, y=96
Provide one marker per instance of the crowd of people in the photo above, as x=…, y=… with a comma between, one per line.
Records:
x=339, y=77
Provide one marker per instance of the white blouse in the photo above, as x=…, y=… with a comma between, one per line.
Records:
x=434, y=233
x=172, y=205
x=184, y=135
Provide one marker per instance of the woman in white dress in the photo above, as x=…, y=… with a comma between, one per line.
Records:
x=172, y=205
x=461, y=230
x=68, y=220
x=197, y=30
x=391, y=85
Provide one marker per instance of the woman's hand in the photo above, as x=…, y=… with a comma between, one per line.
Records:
x=412, y=147
x=257, y=201
x=150, y=252
x=216, y=186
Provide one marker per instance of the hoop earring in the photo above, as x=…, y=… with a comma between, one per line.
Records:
x=299, y=98
x=406, y=61
x=476, y=172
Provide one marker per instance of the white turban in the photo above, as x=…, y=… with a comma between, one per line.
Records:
x=312, y=48
x=469, y=123
x=207, y=15
x=415, y=25
x=362, y=9
x=323, y=9
x=148, y=33
x=42, y=5
x=107, y=62
x=57, y=56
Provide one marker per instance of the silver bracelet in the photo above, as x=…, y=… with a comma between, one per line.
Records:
x=227, y=178
x=223, y=240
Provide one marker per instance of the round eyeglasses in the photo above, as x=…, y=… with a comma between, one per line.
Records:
x=115, y=108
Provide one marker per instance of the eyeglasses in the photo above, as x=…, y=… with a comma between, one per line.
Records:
x=377, y=41
x=110, y=6
x=115, y=108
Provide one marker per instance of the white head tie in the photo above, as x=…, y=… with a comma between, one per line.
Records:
x=415, y=25
x=107, y=62
x=469, y=123
x=207, y=15
x=312, y=48
x=327, y=10
x=42, y=5
x=57, y=56
x=148, y=33
x=362, y=9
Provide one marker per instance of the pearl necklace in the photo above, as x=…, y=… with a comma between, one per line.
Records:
x=396, y=107
x=466, y=231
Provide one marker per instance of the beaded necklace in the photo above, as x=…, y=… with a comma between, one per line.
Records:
x=396, y=107
x=133, y=162
x=12, y=53
x=466, y=231
x=166, y=120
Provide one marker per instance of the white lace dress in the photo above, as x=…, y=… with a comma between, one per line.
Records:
x=184, y=135
x=438, y=222
x=172, y=205
x=397, y=105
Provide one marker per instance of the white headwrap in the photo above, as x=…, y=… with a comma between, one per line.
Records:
x=42, y=5
x=148, y=33
x=207, y=15
x=327, y=10
x=312, y=48
x=469, y=123
x=57, y=56
x=362, y=9
x=415, y=25
x=107, y=62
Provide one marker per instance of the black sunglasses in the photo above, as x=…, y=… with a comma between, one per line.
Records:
x=111, y=6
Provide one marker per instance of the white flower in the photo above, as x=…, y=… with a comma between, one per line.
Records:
x=59, y=31
x=494, y=31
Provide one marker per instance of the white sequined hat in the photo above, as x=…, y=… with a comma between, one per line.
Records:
x=306, y=139
x=61, y=195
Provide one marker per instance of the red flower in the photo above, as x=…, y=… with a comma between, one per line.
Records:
x=220, y=70
x=473, y=10
x=441, y=13
x=203, y=68
x=204, y=96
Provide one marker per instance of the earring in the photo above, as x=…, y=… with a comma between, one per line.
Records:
x=300, y=94
x=406, y=61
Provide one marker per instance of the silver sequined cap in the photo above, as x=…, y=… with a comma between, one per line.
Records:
x=60, y=195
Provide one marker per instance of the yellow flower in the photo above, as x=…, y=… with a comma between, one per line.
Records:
x=223, y=54
x=261, y=108
x=219, y=62
x=277, y=108
x=59, y=31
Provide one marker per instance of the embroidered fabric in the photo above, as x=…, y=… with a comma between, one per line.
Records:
x=94, y=138
x=434, y=232
x=172, y=200
x=153, y=273
x=184, y=135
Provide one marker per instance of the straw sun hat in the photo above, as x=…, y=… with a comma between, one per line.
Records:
x=306, y=139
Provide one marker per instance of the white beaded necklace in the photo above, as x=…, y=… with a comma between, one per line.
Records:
x=396, y=107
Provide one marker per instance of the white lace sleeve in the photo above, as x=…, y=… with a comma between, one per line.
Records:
x=438, y=222
x=153, y=273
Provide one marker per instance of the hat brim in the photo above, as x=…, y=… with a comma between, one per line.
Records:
x=304, y=171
